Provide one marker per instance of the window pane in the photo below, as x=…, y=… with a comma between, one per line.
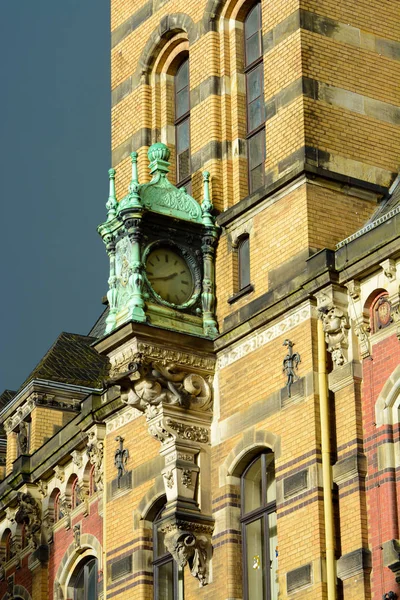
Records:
x=182, y=76
x=256, y=178
x=165, y=587
x=183, y=165
x=256, y=149
x=255, y=560
x=252, y=22
x=255, y=112
x=182, y=102
x=254, y=83
x=182, y=136
x=80, y=586
x=273, y=555
x=271, y=485
x=244, y=263
x=91, y=581
x=253, y=48
x=253, y=487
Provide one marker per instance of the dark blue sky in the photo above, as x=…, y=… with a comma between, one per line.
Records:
x=54, y=155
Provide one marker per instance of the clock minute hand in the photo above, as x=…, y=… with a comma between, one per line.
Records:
x=163, y=278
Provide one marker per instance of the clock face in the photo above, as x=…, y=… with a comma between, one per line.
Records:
x=169, y=275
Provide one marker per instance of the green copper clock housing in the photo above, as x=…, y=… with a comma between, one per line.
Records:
x=158, y=219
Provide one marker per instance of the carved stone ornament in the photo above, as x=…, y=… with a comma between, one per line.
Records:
x=77, y=458
x=95, y=452
x=289, y=366
x=121, y=456
x=362, y=331
x=82, y=492
x=22, y=438
x=149, y=384
x=29, y=514
x=335, y=324
x=42, y=487
x=47, y=525
x=190, y=544
x=77, y=535
x=66, y=507
x=59, y=473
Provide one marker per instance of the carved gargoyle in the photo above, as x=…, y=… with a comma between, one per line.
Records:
x=29, y=514
x=148, y=384
x=335, y=324
x=187, y=548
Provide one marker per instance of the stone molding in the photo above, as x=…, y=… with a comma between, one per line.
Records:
x=354, y=563
x=95, y=452
x=266, y=335
x=348, y=468
x=38, y=399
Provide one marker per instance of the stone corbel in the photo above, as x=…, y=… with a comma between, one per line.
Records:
x=335, y=323
x=389, y=268
x=29, y=514
x=95, y=452
x=177, y=402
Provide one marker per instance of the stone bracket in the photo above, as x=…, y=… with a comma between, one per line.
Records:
x=354, y=563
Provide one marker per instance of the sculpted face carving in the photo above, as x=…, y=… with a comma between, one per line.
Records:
x=335, y=324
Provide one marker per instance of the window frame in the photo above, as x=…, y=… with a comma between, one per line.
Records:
x=263, y=512
x=178, y=121
x=248, y=69
x=84, y=568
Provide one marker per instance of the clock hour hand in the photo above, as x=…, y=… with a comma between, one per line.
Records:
x=163, y=278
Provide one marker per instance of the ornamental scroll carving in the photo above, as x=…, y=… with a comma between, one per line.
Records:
x=336, y=325
x=29, y=514
x=149, y=384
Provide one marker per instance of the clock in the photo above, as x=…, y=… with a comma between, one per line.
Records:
x=169, y=275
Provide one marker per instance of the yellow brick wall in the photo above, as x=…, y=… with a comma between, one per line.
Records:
x=45, y=423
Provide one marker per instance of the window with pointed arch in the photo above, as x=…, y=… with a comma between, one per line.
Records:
x=182, y=125
x=85, y=580
x=255, y=109
x=168, y=577
x=259, y=529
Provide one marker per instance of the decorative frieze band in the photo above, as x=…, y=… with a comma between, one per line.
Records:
x=266, y=335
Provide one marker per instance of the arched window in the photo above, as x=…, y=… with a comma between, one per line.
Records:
x=254, y=70
x=92, y=482
x=259, y=529
x=182, y=126
x=75, y=496
x=243, y=250
x=168, y=577
x=85, y=581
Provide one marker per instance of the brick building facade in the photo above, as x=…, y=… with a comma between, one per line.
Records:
x=230, y=426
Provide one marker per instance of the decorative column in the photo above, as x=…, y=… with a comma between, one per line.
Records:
x=209, y=245
x=177, y=402
x=131, y=211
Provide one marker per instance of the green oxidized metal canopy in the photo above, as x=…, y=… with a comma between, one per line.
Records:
x=160, y=195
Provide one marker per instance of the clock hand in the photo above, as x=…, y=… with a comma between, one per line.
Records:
x=164, y=278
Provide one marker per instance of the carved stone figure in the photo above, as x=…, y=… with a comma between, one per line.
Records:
x=148, y=384
x=22, y=438
x=29, y=514
x=335, y=324
x=77, y=535
x=290, y=364
x=120, y=458
x=95, y=451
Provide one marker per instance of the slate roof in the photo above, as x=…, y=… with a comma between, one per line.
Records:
x=72, y=360
x=5, y=397
x=389, y=206
x=99, y=327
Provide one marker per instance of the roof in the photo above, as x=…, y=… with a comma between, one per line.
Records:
x=99, y=327
x=71, y=359
x=389, y=206
x=5, y=397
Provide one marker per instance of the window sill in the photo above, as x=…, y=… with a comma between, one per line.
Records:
x=243, y=292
